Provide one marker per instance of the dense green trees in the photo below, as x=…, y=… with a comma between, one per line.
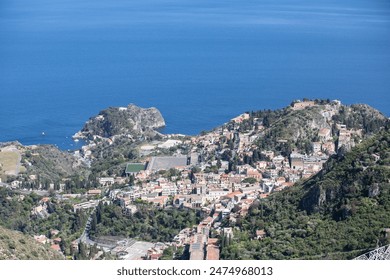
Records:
x=15, y=213
x=112, y=122
x=249, y=180
x=360, y=116
x=148, y=223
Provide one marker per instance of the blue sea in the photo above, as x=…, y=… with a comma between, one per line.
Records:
x=200, y=62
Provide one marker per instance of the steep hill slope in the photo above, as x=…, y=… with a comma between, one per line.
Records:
x=39, y=165
x=338, y=214
x=296, y=127
x=17, y=246
x=346, y=179
x=52, y=164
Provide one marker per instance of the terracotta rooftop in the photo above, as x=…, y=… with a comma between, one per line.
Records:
x=212, y=253
x=55, y=247
x=232, y=194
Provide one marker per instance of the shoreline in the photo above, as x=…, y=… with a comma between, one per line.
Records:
x=76, y=141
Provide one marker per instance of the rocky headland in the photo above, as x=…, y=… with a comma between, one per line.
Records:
x=131, y=121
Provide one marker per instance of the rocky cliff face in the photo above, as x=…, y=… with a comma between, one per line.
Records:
x=131, y=120
x=348, y=181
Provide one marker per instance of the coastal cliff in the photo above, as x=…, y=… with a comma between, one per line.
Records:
x=132, y=121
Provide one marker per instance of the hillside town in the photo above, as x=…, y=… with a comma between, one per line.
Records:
x=212, y=185
x=221, y=173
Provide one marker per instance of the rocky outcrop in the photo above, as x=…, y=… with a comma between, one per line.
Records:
x=132, y=121
x=348, y=180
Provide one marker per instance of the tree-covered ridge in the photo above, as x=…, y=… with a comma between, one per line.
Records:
x=148, y=223
x=291, y=130
x=339, y=214
x=360, y=116
x=16, y=214
x=51, y=164
x=363, y=172
x=286, y=129
x=131, y=120
x=111, y=121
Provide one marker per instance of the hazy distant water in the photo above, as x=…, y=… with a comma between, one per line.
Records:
x=200, y=62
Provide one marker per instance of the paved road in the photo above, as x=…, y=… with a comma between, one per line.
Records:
x=84, y=238
x=4, y=185
x=26, y=192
